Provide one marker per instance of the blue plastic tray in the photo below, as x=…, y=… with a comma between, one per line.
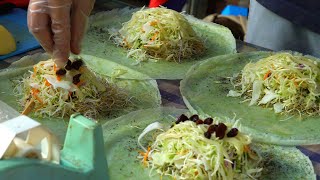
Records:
x=16, y=23
x=235, y=11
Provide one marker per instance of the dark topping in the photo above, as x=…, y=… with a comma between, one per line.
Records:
x=301, y=66
x=207, y=135
x=199, y=121
x=182, y=118
x=208, y=121
x=221, y=130
x=212, y=128
x=61, y=72
x=233, y=132
x=77, y=64
x=194, y=118
x=76, y=79
x=68, y=65
x=72, y=95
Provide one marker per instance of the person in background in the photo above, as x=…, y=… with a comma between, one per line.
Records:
x=59, y=25
x=285, y=25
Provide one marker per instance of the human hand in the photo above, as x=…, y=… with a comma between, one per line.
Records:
x=59, y=25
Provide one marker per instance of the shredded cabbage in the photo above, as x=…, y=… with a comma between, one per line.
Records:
x=60, y=96
x=288, y=83
x=183, y=152
x=158, y=33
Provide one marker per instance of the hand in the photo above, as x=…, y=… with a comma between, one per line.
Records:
x=59, y=25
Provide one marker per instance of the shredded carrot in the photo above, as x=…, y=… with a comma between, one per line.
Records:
x=145, y=155
x=58, y=78
x=267, y=75
x=47, y=83
x=35, y=93
x=246, y=148
x=34, y=71
x=145, y=158
x=154, y=36
x=54, y=67
x=153, y=23
x=295, y=82
x=80, y=83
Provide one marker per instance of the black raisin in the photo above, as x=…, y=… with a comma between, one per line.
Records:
x=77, y=64
x=207, y=135
x=73, y=95
x=194, y=118
x=212, y=128
x=199, y=121
x=222, y=126
x=68, y=65
x=208, y=121
x=61, y=72
x=76, y=79
x=221, y=130
x=182, y=118
x=233, y=132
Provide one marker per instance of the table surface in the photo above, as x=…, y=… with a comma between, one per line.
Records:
x=170, y=93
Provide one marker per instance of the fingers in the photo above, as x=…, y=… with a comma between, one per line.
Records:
x=60, y=26
x=39, y=23
x=79, y=17
x=49, y=21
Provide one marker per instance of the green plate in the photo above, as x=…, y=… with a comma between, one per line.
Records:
x=218, y=40
x=121, y=134
x=136, y=89
x=205, y=90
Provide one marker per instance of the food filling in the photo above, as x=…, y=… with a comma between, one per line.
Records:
x=72, y=89
x=194, y=148
x=158, y=34
x=287, y=83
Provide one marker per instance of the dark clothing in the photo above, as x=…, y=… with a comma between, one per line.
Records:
x=304, y=13
x=176, y=5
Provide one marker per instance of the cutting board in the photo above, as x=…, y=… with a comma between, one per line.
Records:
x=16, y=23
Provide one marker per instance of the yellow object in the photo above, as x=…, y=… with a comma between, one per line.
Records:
x=7, y=42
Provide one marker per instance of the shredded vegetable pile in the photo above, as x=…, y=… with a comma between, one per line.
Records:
x=288, y=83
x=63, y=92
x=187, y=151
x=158, y=33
